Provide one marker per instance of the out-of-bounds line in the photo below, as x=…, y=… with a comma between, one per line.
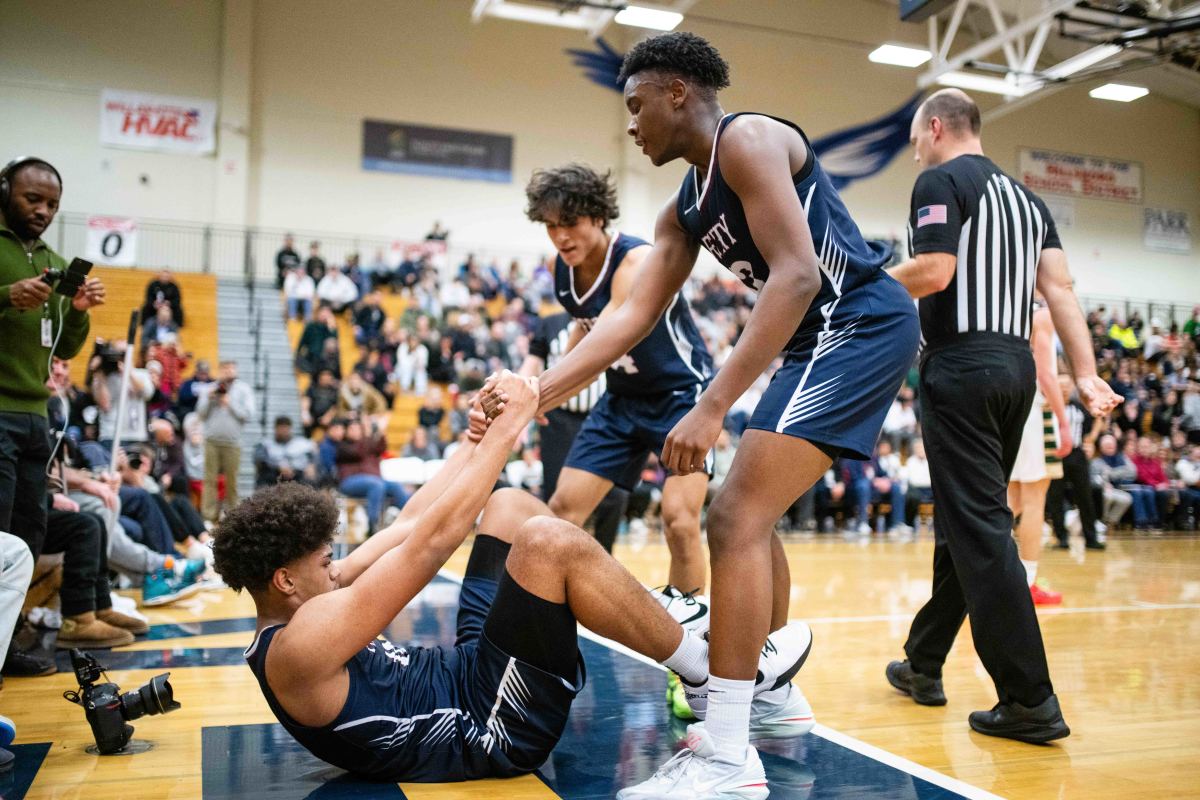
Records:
x=849, y=742
x=903, y=764
x=1042, y=612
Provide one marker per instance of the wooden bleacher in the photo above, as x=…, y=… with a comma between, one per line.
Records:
x=126, y=289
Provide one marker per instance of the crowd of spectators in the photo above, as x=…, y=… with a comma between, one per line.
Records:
x=460, y=324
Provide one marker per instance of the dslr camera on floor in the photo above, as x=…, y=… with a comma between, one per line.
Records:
x=108, y=711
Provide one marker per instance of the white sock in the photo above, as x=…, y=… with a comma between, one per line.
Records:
x=1030, y=571
x=690, y=659
x=728, y=718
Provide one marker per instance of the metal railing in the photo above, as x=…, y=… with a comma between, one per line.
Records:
x=232, y=251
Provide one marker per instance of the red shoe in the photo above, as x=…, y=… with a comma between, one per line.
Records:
x=1044, y=597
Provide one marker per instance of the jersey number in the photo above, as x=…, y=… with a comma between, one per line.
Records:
x=744, y=271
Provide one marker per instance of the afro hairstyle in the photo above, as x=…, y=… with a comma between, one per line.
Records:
x=270, y=529
x=677, y=53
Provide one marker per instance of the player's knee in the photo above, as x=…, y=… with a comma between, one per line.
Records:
x=549, y=538
x=727, y=528
x=681, y=524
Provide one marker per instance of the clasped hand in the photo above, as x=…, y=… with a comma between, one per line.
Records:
x=504, y=393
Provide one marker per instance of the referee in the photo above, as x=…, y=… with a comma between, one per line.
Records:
x=548, y=344
x=982, y=242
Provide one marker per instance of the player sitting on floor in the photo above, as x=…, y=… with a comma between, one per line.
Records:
x=496, y=703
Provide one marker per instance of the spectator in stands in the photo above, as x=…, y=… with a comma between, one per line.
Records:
x=1188, y=471
x=437, y=233
x=408, y=273
x=1110, y=502
x=427, y=295
x=159, y=327
x=315, y=265
x=831, y=495
x=460, y=419
x=454, y=295
x=1152, y=474
x=173, y=362
x=1123, y=338
x=184, y=522
x=1191, y=328
x=286, y=260
x=318, y=407
x=915, y=474
x=285, y=457
x=312, y=341
x=900, y=425
x=161, y=292
x=1120, y=471
x=871, y=484
x=337, y=290
x=358, y=471
x=378, y=271
x=431, y=414
x=225, y=411
x=412, y=363
x=299, y=292
x=191, y=390
x=193, y=457
x=335, y=434
x=723, y=453
x=357, y=275
x=170, y=469
x=106, y=386
x=421, y=445
x=526, y=472
x=376, y=374
x=359, y=400
x=368, y=321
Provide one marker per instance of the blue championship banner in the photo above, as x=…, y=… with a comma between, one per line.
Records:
x=439, y=152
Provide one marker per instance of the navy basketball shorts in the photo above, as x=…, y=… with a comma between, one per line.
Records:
x=521, y=709
x=837, y=383
x=622, y=430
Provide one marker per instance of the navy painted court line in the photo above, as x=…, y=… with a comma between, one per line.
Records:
x=29, y=757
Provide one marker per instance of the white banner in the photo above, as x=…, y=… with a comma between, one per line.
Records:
x=157, y=122
x=1167, y=230
x=112, y=241
x=1081, y=176
x=1062, y=210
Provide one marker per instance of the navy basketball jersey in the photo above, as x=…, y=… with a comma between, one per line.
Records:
x=672, y=357
x=713, y=216
x=402, y=716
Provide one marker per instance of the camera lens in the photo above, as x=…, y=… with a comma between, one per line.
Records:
x=156, y=697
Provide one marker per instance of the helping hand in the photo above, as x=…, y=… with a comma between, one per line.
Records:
x=690, y=440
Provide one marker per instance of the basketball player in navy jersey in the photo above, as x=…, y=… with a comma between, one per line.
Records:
x=648, y=389
x=758, y=200
x=496, y=703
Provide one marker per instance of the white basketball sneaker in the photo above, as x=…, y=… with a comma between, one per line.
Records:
x=781, y=718
x=695, y=774
x=783, y=654
x=689, y=609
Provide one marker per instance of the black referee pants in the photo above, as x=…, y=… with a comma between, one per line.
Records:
x=1075, y=474
x=555, y=441
x=975, y=396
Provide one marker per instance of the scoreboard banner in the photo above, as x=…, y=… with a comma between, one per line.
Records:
x=1093, y=177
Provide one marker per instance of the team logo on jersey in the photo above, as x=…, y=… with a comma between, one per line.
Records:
x=397, y=654
x=626, y=364
x=719, y=239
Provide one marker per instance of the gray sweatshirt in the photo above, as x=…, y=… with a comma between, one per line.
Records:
x=223, y=423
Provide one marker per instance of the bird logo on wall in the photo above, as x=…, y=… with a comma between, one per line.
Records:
x=848, y=155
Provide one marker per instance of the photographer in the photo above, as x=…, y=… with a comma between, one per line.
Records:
x=107, y=366
x=33, y=322
x=225, y=410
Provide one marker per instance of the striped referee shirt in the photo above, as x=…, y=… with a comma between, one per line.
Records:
x=1077, y=417
x=549, y=343
x=997, y=229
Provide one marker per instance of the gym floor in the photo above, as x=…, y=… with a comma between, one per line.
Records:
x=1123, y=651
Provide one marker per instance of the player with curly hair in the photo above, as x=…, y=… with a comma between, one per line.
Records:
x=647, y=390
x=758, y=200
x=496, y=703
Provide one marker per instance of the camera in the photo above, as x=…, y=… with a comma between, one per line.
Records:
x=222, y=387
x=67, y=282
x=110, y=357
x=108, y=711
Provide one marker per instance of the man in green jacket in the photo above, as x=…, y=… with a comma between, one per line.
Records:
x=33, y=321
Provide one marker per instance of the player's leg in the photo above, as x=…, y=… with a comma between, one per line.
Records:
x=682, y=502
x=577, y=494
x=1032, y=510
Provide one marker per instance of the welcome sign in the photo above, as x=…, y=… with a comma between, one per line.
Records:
x=1094, y=177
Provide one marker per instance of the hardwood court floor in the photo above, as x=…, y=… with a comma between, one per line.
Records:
x=1123, y=651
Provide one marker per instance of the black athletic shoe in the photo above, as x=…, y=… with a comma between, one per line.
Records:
x=24, y=664
x=1038, y=725
x=1096, y=546
x=1061, y=545
x=924, y=690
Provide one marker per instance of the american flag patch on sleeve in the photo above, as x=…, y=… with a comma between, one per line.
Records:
x=931, y=215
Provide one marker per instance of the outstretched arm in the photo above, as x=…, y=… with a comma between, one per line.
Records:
x=661, y=274
x=360, y=611
x=755, y=162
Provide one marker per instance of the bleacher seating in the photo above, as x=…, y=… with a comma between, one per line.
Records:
x=126, y=289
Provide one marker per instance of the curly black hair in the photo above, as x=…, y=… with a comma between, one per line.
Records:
x=679, y=53
x=270, y=529
x=571, y=192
